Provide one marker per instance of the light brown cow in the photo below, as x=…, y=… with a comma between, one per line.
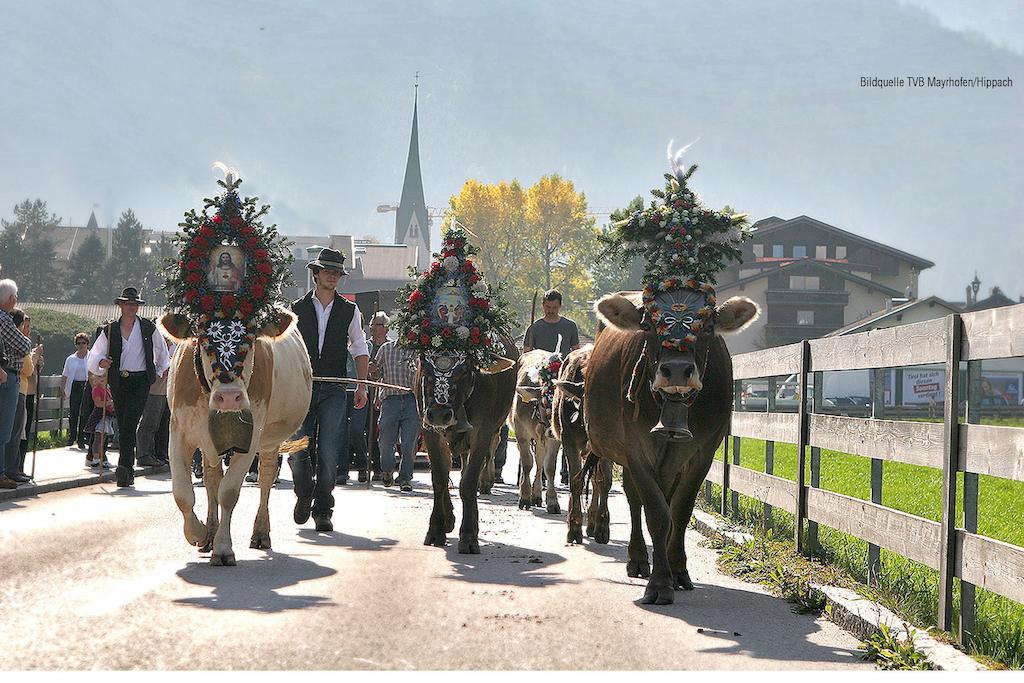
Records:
x=254, y=413
x=538, y=445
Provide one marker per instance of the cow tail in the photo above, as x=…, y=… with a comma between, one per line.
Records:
x=587, y=473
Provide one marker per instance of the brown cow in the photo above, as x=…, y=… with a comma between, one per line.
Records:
x=635, y=417
x=531, y=420
x=569, y=428
x=254, y=413
x=445, y=382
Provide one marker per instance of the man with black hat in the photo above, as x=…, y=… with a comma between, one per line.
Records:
x=136, y=353
x=330, y=325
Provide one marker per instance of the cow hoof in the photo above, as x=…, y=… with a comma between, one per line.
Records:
x=449, y=524
x=485, y=490
x=601, y=534
x=469, y=548
x=683, y=580
x=435, y=539
x=554, y=509
x=223, y=559
x=538, y=501
x=637, y=569
x=590, y=530
x=575, y=536
x=525, y=504
x=658, y=595
x=195, y=531
x=260, y=541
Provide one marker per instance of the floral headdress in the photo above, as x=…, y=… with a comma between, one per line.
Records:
x=547, y=374
x=228, y=275
x=684, y=245
x=450, y=307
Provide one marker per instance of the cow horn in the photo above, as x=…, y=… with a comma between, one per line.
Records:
x=673, y=422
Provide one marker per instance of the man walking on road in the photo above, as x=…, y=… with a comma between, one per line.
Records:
x=329, y=324
x=399, y=418
x=137, y=353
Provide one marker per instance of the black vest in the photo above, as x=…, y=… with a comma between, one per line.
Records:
x=115, y=344
x=333, y=361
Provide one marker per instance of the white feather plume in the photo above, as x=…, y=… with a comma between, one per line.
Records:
x=675, y=159
x=230, y=174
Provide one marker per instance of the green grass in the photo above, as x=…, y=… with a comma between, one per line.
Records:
x=908, y=588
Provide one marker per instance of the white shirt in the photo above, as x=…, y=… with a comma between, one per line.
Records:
x=76, y=370
x=356, y=337
x=132, y=351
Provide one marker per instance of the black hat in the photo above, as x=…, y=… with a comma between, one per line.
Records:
x=129, y=295
x=329, y=258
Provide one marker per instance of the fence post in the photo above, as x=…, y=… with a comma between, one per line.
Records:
x=950, y=464
x=737, y=405
x=724, y=506
x=769, y=448
x=801, y=447
x=973, y=416
x=877, y=376
x=816, y=401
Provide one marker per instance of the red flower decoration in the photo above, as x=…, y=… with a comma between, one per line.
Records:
x=425, y=339
x=257, y=291
x=235, y=221
x=193, y=278
x=473, y=279
x=194, y=252
x=487, y=341
x=411, y=337
x=217, y=219
x=260, y=254
x=415, y=297
x=446, y=332
x=228, y=303
x=424, y=323
x=190, y=295
x=264, y=267
x=245, y=307
x=246, y=230
x=192, y=264
x=207, y=302
x=252, y=243
x=200, y=242
x=206, y=230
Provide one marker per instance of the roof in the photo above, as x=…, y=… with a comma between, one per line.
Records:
x=95, y=312
x=878, y=316
x=769, y=225
x=994, y=300
x=818, y=265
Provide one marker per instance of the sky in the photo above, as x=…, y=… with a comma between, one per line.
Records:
x=126, y=105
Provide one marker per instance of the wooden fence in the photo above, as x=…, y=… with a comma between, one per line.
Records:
x=970, y=448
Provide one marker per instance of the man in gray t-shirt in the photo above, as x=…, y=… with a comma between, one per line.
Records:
x=543, y=333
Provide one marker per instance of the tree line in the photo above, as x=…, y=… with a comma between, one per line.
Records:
x=28, y=256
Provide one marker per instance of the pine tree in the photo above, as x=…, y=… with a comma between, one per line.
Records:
x=26, y=251
x=87, y=283
x=128, y=265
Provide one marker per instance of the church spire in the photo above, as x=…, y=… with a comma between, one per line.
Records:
x=411, y=226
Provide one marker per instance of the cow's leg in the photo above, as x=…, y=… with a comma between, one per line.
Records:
x=487, y=471
x=659, y=587
x=683, y=499
x=592, y=507
x=537, y=488
x=227, y=495
x=469, y=531
x=575, y=516
x=179, y=453
x=261, y=527
x=440, y=466
x=638, y=565
x=550, y=465
x=212, y=476
x=525, y=447
x=602, y=485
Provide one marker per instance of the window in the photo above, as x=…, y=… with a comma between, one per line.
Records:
x=804, y=282
x=840, y=252
x=799, y=251
x=805, y=317
x=777, y=251
x=758, y=250
x=821, y=252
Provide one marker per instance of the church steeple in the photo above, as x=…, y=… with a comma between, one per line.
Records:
x=411, y=226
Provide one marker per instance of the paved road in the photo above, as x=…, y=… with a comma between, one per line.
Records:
x=101, y=578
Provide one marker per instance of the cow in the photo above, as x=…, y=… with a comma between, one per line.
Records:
x=569, y=428
x=531, y=420
x=635, y=406
x=445, y=382
x=253, y=413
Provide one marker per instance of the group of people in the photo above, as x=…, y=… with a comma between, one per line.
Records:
x=19, y=361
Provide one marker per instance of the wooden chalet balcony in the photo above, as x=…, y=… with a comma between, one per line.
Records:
x=808, y=296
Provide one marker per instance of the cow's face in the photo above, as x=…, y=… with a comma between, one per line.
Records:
x=678, y=337
x=448, y=378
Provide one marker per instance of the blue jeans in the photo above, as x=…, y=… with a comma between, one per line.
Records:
x=313, y=469
x=8, y=408
x=399, y=422
x=353, y=438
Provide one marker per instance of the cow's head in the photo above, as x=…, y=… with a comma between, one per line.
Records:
x=541, y=390
x=447, y=380
x=679, y=326
x=224, y=363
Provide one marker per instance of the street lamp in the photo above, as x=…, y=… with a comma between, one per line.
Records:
x=311, y=252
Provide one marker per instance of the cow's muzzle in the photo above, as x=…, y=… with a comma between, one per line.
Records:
x=674, y=421
x=231, y=430
x=439, y=418
x=677, y=376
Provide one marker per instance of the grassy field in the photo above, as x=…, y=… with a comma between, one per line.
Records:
x=905, y=586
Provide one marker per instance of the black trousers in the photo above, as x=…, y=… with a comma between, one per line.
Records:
x=129, y=403
x=77, y=416
x=30, y=414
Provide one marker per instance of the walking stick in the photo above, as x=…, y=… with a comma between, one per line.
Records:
x=35, y=420
x=369, y=412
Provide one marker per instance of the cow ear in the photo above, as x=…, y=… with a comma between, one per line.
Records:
x=615, y=310
x=574, y=389
x=528, y=394
x=735, y=315
x=500, y=365
x=176, y=326
x=280, y=323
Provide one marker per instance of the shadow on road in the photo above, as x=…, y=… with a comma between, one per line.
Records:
x=338, y=539
x=499, y=563
x=252, y=585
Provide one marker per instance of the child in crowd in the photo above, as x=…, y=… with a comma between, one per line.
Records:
x=100, y=424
